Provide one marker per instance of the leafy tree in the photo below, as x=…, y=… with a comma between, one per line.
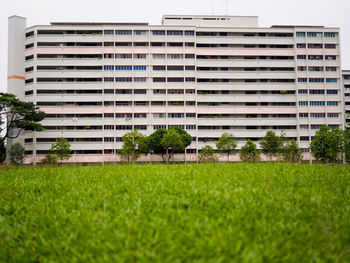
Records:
x=16, y=115
x=185, y=137
x=172, y=141
x=50, y=159
x=17, y=153
x=327, y=145
x=61, y=149
x=249, y=153
x=347, y=144
x=134, y=145
x=226, y=144
x=292, y=152
x=155, y=142
x=207, y=154
x=272, y=144
x=2, y=151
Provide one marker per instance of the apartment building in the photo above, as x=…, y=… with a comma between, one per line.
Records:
x=206, y=74
x=346, y=82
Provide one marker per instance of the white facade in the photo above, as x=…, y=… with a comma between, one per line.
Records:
x=346, y=82
x=97, y=81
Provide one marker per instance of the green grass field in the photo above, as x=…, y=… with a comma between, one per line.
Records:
x=176, y=213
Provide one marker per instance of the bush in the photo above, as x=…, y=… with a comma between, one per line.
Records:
x=249, y=153
x=50, y=159
x=17, y=153
x=207, y=155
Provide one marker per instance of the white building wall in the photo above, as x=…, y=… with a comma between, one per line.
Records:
x=236, y=79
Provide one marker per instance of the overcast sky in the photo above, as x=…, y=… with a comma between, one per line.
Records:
x=333, y=13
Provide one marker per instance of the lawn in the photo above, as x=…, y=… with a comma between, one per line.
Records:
x=176, y=213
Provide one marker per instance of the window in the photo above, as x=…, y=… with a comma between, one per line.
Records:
x=300, y=80
x=303, y=115
x=123, y=91
x=30, y=45
x=159, y=79
x=319, y=80
x=315, y=57
x=331, y=80
x=141, y=103
x=159, y=91
x=123, y=32
x=316, y=91
x=140, y=56
x=190, y=127
x=302, y=91
x=300, y=34
x=189, y=33
x=140, y=44
x=304, y=126
x=330, y=34
x=317, y=115
x=158, y=32
x=302, y=68
x=315, y=45
x=108, y=32
x=108, y=91
x=314, y=34
x=140, y=127
x=301, y=56
x=140, y=32
x=140, y=79
x=108, y=79
x=108, y=115
x=140, y=67
x=28, y=81
x=158, y=56
x=123, y=67
x=317, y=103
x=190, y=79
x=328, y=57
x=175, y=79
x=28, y=92
x=190, y=68
x=190, y=91
x=127, y=116
x=108, y=44
x=123, y=79
x=108, y=55
x=108, y=67
x=301, y=45
x=304, y=138
x=175, y=67
x=332, y=91
x=159, y=68
x=175, y=115
x=109, y=139
x=330, y=46
x=333, y=115
x=140, y=115
x=332, y=69
x=175, y=56
x=123, y=56
x=140, y=91
x=174, y=32
x=315, y=126
x=190, y=115
x=123, y=127
x=332, y=103
x=319, y=69
x=109, y=127
x=303, y=103
x=189, y=55
x=156, y=127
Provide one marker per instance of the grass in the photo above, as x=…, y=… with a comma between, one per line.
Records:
x=176, y=213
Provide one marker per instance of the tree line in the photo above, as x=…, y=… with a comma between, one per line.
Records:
x=329, y=145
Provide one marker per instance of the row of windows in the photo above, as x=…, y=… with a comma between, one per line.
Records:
x=144, y=91
x=318, y=80
x=318, y=103
x=111, y=67
x=170, y=79
x=316, y=45
x=154, y=32
x=317, y=57
x=318, y=91
x=318, y=115
x=318, y=69
x=316, y=34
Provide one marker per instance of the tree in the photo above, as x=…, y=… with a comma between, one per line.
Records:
x=49, y=159
x=271, y=144
x=185, y=137
x=327, y=145
x=16, y=115
x=226, y=144
x=61, y=149
x=347, y=144
x=134, y=145
x=172, y=141
x=17, y=153
x=207, y=154
x=249, y=153
x=2, y=151
x=155, y=142
x=292, y=152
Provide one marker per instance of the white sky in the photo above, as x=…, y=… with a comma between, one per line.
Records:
x=333, y=13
